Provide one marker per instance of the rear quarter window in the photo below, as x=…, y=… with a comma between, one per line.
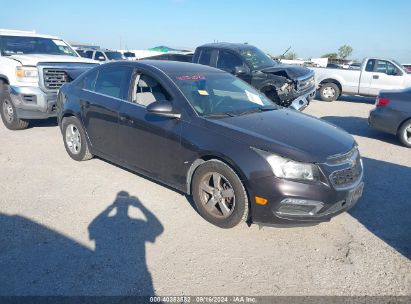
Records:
x=205, y=56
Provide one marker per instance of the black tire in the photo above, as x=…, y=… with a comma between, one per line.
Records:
x=404, y=135
x=83, y=151
x=8, y=111
x=326, y=91
x=230, y=182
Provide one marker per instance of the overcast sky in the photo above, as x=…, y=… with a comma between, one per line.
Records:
x=311, y=28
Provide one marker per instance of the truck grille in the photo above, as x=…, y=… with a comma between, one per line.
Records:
x=349, y=176
x=54, y=78
x=305, y=83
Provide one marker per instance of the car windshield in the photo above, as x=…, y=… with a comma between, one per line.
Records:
x=256, y=59
x=114, y=55
x=221, y=94
x=12, y=45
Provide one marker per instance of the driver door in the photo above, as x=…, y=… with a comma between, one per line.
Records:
x=228, y=61
x=386, y=76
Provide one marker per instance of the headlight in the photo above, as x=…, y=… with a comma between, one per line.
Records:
x=287, y=168
x=27, y=74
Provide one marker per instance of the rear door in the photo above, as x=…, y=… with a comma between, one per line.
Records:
x=100, y=103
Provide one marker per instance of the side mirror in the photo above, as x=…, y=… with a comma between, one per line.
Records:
x=162, y=108
x=101, y=58
x=240, y=70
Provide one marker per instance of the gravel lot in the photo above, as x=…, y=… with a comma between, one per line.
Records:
x=61, y=234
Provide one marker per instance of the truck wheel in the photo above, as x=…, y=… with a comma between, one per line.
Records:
x=404, y=133
x=219, y=194
x=8, y=112
x=75, y=140
x=329, y=92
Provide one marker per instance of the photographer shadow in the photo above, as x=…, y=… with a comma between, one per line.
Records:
x=36, y=260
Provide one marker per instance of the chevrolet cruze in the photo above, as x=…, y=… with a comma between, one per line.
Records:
x=210, y=135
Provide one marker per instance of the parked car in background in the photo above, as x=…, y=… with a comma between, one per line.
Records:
x=103, y=55
x=209, y=134
x=173, y=57
x=376, y=74
x=392, y=114
x=407, y=66
x=355, y=66
x=333, y=66
x=129, y=55
x=287, y=85
x=32, y=69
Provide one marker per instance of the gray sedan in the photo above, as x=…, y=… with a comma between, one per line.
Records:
x=392, y=114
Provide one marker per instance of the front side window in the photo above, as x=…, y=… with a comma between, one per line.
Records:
x=17, y=45
x=99, y=56
x=256, y=59
x=89, y=54
x=114, y=81
x=228, y=61
x=148, y=90
x=221, y=93
x=386, y=67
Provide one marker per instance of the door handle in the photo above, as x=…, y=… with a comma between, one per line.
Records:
x=375, y=76
x=85, y=104
x=127, y=119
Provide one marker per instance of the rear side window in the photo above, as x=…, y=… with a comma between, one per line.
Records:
x=205, y=57
x=89, y=54
x=370, y=65
x=114, y=82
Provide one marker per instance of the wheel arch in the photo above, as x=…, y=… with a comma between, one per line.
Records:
x=207, y=157
x=5, y=79
x=402, y=123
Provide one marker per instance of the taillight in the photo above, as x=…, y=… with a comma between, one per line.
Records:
x=380, y=102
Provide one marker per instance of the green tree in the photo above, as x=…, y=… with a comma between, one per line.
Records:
x=344, y=51
x=330, y=56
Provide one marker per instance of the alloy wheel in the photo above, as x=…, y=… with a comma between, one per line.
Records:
x=73, y=139
x=408, y=134
x=217, y=195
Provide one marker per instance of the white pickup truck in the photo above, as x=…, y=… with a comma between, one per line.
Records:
x=32, y=69
x=375, y=74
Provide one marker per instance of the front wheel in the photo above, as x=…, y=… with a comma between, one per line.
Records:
x=329, y=92
x=75, y=139
x=404, y=133
x=219, y=194
x=9, y=114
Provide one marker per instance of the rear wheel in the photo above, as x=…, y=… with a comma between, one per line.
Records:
x=329, y=92
x=75, y=139
x=8, y=111
x=219, y=194
x=404, y=133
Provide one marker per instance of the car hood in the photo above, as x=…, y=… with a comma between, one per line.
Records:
x=34, y=59
x=293, y=72
x=287, y=133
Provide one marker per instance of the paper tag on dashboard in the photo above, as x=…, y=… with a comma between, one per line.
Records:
x=203, y=92
x=254, y=98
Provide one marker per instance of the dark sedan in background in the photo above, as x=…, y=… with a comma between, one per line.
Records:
x=211, y=135
x=392, y=114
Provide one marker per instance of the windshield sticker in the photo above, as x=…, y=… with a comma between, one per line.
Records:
x=191, y=77
x=59, y=42
x=203, y=92
x=254, y=98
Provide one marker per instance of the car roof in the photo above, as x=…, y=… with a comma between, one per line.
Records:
x=7, y=32
x=228, y=45
x=169, y=67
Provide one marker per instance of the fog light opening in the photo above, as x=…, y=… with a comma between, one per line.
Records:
x=299, y=207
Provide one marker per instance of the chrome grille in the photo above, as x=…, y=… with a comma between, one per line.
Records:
x=349, y=176
x=54, y=78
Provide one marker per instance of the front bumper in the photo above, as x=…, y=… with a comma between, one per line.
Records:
x=302, y=101
x=33, y=103
x=295, y=203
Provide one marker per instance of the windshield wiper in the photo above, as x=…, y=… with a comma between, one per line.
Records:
x=219, y=114
x=259, y=109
